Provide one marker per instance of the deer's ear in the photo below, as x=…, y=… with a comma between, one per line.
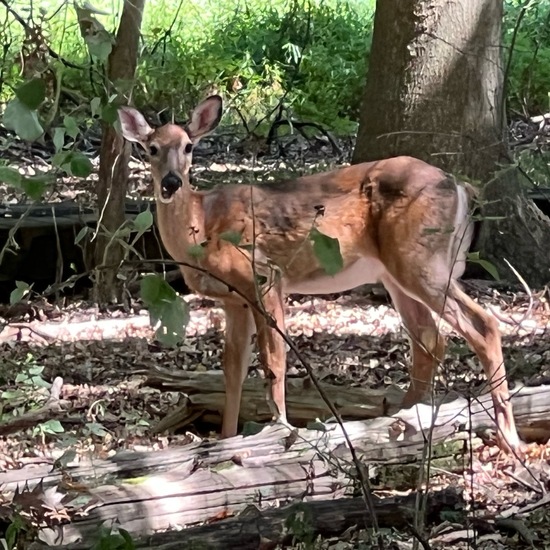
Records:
x=133, y=124
x=205, y=117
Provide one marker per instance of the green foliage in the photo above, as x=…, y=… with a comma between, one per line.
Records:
x=255, y=53
x=33, y=186
x=233, y=237
x=74, y=163
x=19, y=292
x=313, y=54
x=327, y=252
x=113, y=539
x=50, y=427
x=165, y=308
x=529, y=78
x=14, y=530
x=22, y=120
x=485, y=264
x=27, y=389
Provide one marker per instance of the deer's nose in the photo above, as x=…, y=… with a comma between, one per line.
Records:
x=170, y=184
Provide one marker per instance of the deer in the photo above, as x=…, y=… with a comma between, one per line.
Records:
x=398, y=221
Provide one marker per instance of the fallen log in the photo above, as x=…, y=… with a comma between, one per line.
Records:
x=205, y=392
x=207, y=480
x=301, y=522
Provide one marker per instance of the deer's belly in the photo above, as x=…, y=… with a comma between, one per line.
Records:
x=362, y=272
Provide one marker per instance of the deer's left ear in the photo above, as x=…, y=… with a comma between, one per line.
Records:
x=205, y=117
x=133, y=124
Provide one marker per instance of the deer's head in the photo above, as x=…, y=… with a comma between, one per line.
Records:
x=170, y=147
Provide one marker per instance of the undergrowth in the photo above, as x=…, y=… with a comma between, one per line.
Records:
x=311, y=53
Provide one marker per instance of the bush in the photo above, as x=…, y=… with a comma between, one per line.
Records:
x=311, y=53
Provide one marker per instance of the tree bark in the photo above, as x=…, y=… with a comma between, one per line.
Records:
x=435, y=91
x=114, y=157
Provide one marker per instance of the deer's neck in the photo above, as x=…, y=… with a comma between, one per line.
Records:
x=181, y=222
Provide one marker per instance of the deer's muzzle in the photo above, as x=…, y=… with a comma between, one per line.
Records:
x=169, y=185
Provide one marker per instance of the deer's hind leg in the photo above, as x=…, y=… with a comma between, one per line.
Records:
x=427, y=343
x=437, y=290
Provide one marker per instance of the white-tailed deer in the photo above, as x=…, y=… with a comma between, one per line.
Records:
x=398, y=221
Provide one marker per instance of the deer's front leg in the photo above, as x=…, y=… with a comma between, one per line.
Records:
x=239, y=330
x=272, y=351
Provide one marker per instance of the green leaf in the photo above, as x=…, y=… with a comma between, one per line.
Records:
x=74, y=163
x=327, y=252
x=99, y=44
x=52, y=427
x=22, y=120
x=166, y=307
x=10, y=176
x=71, y=126
x=61, y=159
x=81, y=234
x=96, y=429
x=129, y=543
x=109, y=114
x=81, y=165
x=196, y=251
x=32, y=93
x=39, y=382
x=19, y=292
x=36, y=370
x=63, y=461
x=143, y=221
x=485, y=264
x=95, y=106
x=58, y=138
x=233, y=237
x=34, y=186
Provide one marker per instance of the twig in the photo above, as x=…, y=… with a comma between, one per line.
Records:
x=525, y=286
x=167, y=33
x=521, y=15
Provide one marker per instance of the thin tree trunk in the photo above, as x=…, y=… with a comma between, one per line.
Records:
x=434, y=91
x=114, y=157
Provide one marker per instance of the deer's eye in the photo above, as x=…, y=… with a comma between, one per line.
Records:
x=153, y=150
x=188, y=148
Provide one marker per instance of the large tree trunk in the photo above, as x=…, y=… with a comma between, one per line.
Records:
x=434, y=91
x=114, y=156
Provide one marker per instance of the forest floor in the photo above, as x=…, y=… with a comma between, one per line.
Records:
x=352, y=339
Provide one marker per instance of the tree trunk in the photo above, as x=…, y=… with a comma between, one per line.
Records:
x=113, y=165
x=434, y=91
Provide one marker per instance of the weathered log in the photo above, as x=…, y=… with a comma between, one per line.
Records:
x=205, y=393
x=207, y=480
x=301, y=522
x=206, y=396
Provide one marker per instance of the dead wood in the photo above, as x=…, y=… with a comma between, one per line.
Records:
x=205, y=394
x=254, y=528
x=208, y=480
